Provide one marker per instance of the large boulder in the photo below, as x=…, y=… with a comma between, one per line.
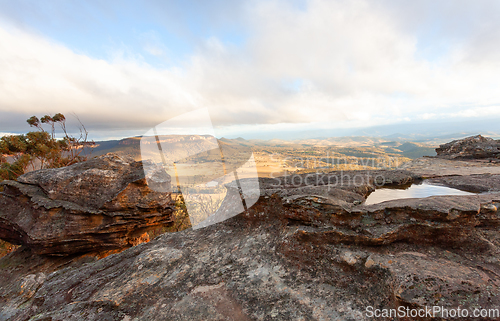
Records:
x=100, y=204
x=474, y=147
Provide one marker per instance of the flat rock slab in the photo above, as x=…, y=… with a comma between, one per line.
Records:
x=478, y=183
x=429, y=167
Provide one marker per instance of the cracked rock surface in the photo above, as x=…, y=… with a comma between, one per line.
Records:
x=302, y=252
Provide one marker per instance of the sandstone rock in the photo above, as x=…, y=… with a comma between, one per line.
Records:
x=307, y=250
x=340, y=189
x=291, y=256
x=474, y=147
x=100, y=204
x=473, y=183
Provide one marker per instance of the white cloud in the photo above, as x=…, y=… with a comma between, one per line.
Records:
x=355, y=63
x=348, y=62
x=428, y=116
x=39, y=76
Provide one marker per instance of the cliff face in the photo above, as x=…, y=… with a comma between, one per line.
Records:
x=101, y=204
x=304, y=251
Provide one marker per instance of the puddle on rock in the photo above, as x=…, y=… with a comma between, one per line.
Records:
x=421, y=190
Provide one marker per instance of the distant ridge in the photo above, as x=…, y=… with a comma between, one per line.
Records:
x=180, y=145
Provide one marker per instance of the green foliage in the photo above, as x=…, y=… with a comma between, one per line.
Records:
x=41, y=149
x=180, y=219
x=180, y=216
x=201, y=207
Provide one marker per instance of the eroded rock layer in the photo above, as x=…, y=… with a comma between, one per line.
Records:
x=100, y=204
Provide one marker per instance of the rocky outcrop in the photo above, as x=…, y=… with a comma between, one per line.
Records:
x=475, y=147
x=304, y=259
x=98, y=205
x=307, y=250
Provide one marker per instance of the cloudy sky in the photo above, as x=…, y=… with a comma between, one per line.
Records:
x=264, y=65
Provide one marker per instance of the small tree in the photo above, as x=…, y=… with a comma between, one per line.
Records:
x=180, y=219
x=40, y=149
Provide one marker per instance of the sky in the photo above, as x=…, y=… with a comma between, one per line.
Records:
x=258, y=66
